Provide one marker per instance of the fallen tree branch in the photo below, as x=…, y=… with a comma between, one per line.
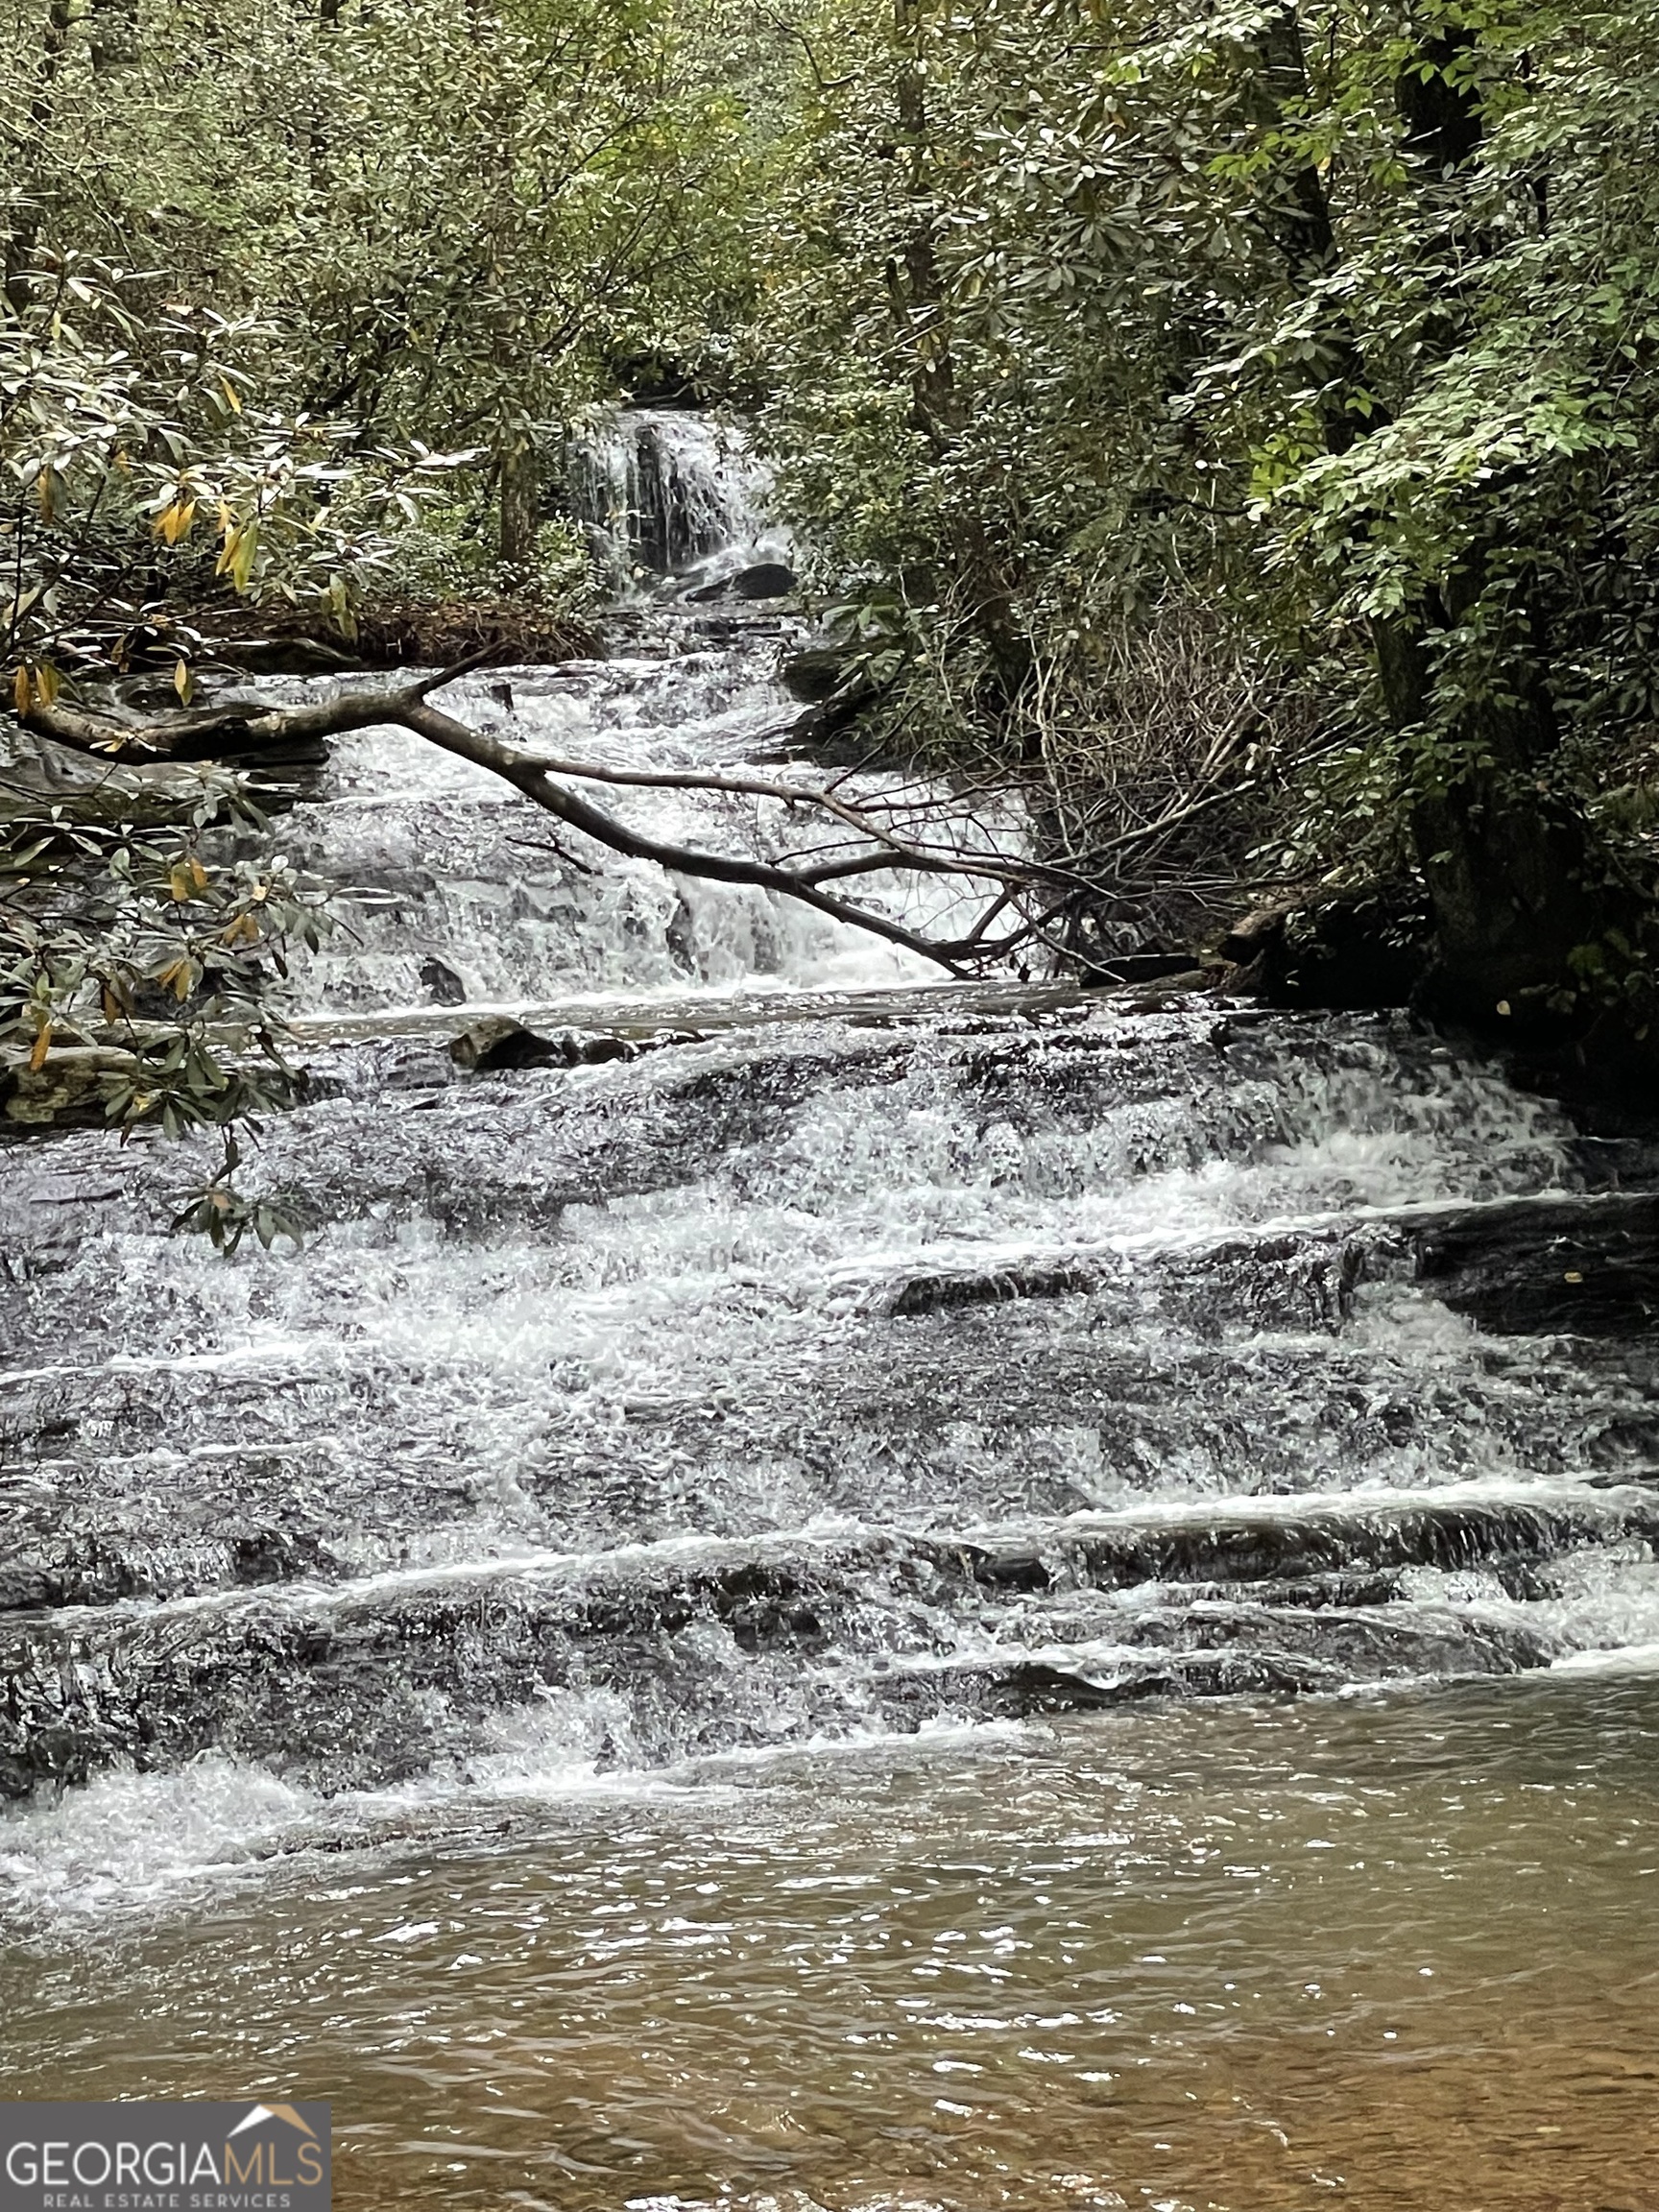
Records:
x=243, y=731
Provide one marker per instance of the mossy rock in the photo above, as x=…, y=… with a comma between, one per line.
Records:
x=68, y=1087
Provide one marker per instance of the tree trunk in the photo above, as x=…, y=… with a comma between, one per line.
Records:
x=914, y=283
x=1503, y=859
x=24, y=233
x=519, y=504
x=916, y=289
x=113, y=33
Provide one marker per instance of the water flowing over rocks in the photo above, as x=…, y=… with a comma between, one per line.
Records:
x=668, y=494
x=715, y=1334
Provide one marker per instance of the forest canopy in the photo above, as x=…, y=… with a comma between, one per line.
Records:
x=1235, y=423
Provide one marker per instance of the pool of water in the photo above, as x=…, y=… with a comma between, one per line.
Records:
x=1397, y=1950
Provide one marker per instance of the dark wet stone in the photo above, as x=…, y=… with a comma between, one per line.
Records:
x=441, y=983
x=1589, y=1267
x=499, y=1043
x=349, y=1687
x=763, y=580
x=815, y=673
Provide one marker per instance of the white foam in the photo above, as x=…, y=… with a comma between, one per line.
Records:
x=130, y=1840
x=127, y=1837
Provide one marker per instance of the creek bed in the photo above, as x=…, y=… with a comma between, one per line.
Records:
x=918, y=1595
x=1393, y=1950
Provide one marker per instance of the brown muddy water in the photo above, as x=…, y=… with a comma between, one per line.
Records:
x=1394, y=1950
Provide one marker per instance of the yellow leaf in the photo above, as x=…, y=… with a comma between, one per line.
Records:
x=43, y=493
x=42, y=1045
x=47, y=683
x=181, y=981
x=183, y=683
x=175, y=521
x=197, y=874
x=229, y=391
x=22, y=689
x=242, y=562
x=179, y=882
x=112, y=1007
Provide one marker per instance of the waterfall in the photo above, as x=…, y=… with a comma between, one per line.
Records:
x=672, y=493
x=446, y=881
x=860, y=1593
x=848, y=1355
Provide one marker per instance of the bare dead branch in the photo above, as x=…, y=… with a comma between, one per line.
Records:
x=243, y=729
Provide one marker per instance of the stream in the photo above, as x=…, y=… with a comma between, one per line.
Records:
x=880, y=1594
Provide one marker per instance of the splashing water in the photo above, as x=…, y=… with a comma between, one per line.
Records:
x=757, y=1583
x=673, y=495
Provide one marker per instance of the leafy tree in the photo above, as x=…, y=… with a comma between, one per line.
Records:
x=1236, y=428
x=259, y=265
x=1338, y=317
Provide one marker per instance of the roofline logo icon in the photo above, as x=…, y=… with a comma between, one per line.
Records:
x=258, y=2114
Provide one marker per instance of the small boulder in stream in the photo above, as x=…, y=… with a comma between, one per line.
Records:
x=441, y=983
x=816, y=673
x=833, y=685
x=761, y=580
x=67, y=1089
x=498, y=1042
x=764, y=580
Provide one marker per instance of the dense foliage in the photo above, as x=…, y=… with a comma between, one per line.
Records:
x=1238, y=423
x=299, y=304
x=1339, y=322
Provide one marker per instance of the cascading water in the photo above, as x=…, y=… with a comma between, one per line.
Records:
x=443, y=873
x=869, y=1362
x=669, y=493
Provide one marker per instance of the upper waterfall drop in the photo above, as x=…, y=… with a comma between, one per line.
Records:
x=670, y=493
x=447, y=879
